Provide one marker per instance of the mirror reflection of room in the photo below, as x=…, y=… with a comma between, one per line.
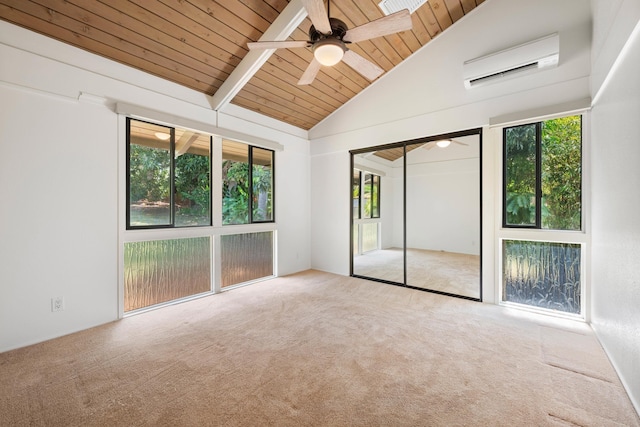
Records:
x=378, y=239
x=441, y=207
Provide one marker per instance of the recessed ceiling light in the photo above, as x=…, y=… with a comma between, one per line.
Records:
x=392, y=6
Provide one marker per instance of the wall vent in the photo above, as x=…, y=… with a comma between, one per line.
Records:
x=516, y=61
x=392, y=6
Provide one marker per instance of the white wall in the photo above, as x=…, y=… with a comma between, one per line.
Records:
x=60, y=221
x=331, y=200
x=58, y=227
x=425, y=96
x=443, y=206
x=615, y=175
x=443, y=197
x=292, y=208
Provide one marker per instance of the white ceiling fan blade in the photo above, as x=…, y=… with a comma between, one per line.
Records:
x=363, y=66
x=318, y=15
x=310, y=73
x=460, y=143
x=399, y=21
x=277, y=44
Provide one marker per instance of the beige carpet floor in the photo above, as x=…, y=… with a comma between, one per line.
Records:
x=450, y=272
x=317, y=349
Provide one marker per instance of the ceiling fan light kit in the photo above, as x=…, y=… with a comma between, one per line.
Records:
x=329, y=51
x=443, y=143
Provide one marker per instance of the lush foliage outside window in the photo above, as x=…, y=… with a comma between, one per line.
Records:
x=193, y=190
x=355, y=193
x=246, y=190
x=375, y=196
x=169, y=176
x=149, y=185
x=371, y=196
x=262, y=180
x=543, y=174
x=520, y=164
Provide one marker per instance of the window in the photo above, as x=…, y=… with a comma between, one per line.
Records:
x=168, y=176
x=543, y=190
x=355, y=185
x=543, y=175
x=365, y=193
x=542, y=274
x=159, y=271
x=246, y=257
x=247, y=192
x=366, y=203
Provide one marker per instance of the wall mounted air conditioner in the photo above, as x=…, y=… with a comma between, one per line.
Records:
x=515, y=61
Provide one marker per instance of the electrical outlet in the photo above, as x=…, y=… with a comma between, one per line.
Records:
x=57, y=304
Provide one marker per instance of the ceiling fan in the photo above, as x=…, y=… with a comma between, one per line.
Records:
x=329, y=38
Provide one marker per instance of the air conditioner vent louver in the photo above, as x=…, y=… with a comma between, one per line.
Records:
x=516, y=61
x=500, y=74
x=392, y=6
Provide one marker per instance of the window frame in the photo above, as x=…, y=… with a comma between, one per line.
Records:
x=356, y=213
x=538, y=178
x=172, y=184
x=370, y=202
x=273, y=186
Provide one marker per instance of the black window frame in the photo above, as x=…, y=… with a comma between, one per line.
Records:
x=273, y=186
x=362, y=207
x=538, y=171
x=356, y=214
x=172, y=184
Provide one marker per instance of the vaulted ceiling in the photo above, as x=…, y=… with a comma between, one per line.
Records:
x=202, y=44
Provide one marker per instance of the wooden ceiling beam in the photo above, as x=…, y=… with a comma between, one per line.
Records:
x=280, y=29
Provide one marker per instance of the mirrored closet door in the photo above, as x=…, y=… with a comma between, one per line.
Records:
x=377, y=227
x=416, y=217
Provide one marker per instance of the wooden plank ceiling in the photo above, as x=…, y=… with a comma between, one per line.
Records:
x=198, y=44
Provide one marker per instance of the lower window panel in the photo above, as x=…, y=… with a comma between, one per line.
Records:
x=160, y=271
x=369, y=237
x=542, y=274
x=246, y=257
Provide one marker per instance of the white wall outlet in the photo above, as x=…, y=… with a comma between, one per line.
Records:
x=57, y=304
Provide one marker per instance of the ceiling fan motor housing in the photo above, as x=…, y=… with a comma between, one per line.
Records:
x=338, y=31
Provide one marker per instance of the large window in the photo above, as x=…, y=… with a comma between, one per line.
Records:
x=169, y=187
x=543, y=175
x=247, y=192
x=169, y=176
x=543, y=190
